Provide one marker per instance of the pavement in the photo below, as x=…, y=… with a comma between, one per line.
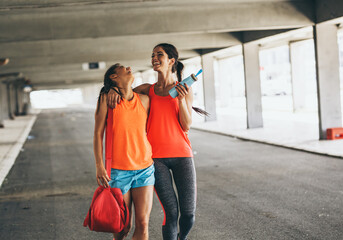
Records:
x=12, y=138
x=246, y=190
x=298, y=130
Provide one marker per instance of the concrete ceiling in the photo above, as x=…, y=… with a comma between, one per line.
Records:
x=48, y=41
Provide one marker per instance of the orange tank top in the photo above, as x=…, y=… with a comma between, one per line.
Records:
x=165, y=133
x=127, y=146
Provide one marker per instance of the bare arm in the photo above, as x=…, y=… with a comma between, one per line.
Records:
x=99, y=128
x=142, y=89
x=113, y=97
x=185, y=106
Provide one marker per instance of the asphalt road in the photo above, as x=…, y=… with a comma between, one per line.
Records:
x=246, y=190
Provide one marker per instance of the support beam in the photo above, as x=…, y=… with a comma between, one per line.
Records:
x=252, y=85
x=105, y=20
x=328, y=81
x=327, y=10
x=207, y=62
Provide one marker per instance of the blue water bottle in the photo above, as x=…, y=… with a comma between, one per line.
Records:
x=189, y=81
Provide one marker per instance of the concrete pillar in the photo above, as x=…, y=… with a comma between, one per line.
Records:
x=90, y=94
x=252, y=85
x=207, y=61
x=298, y=75
x=10, y=100
x=17, y=97
x=13, y=99
x=3, y=103
x=328, y=81
x=26, y=103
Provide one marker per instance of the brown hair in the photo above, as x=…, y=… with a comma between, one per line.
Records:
x=108, y=83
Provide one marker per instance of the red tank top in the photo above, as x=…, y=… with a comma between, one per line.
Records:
x=127, y=146
x=165, y=133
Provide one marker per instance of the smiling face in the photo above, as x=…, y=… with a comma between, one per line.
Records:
x=160, y=60
x=122, y=76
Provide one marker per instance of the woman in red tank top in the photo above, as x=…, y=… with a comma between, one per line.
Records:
x=168, y=124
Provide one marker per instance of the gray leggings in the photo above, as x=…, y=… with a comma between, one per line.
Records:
x=185, y=181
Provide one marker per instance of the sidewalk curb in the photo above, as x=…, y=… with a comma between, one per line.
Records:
x=269, y=143
x=9, y=159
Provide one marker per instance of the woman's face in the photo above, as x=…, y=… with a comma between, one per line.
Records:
x=122, y=75
x=160, y=61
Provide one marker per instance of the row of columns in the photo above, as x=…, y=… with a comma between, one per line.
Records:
x=328, y=80
x=13, y=100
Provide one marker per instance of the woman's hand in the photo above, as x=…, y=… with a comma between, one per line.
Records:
x=182, y=91
x=102, y=177
x=113, y=98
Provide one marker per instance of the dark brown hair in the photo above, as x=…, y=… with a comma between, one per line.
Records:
x=108, y=83
x=178, y=66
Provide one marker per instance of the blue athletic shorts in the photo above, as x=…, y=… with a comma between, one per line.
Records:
x=127, y=179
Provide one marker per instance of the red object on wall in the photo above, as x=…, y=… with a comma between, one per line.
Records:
x=334, y=133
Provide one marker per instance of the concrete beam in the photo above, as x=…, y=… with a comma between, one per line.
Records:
x=94, y=21
x=128, y=57
x=271, y=38
x=115, y=45
x=327, y=10
x=250, y=36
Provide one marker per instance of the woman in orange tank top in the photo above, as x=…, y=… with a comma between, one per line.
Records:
x=128, y=152
x=167, y=128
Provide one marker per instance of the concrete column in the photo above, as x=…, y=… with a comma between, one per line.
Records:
x=328, y=81
x=3, y=103
x=13, y=99
x=26, y=103
x=17, y=99
x=252, y=85
x=298, y=76
x=90, y=94
x=207, y=62
x=10, y=101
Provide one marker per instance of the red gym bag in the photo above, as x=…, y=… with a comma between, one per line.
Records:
x=108, y=211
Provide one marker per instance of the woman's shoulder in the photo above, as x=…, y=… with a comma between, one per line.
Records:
x=143, y=97
x=143, y=88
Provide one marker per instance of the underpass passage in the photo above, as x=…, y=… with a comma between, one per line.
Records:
x=246, y=190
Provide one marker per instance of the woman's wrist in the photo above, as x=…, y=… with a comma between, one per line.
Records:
x=99, y=164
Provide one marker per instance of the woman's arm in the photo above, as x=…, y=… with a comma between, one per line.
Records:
x=100, y=122
x=185, y=106
x=113, y=97
x=142, y=89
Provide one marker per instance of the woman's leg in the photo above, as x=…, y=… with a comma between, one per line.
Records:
x=128, y=201
x=165, y=193
x=142, y=200
x=185, y=181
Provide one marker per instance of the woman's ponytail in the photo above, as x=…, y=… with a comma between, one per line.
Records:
x=179, y=70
